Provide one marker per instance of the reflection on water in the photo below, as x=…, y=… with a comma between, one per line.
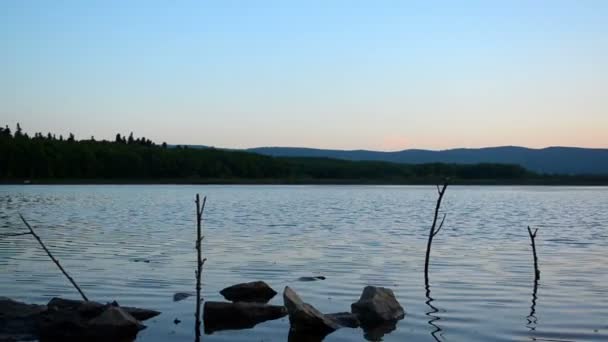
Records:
x=532, y=319
x=134, y=244
x=436, y=331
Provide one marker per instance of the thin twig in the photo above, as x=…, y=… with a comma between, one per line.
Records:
x=199, y=263
x=53, y=258
x=14, y=234
x=433, y=231
x=441, y=224
x=532, y=237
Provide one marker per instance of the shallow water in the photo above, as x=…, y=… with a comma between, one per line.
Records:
x=482, y=276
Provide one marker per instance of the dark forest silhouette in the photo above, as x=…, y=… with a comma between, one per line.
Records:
x=48, y=157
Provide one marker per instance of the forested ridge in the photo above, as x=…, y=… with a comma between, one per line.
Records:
x=48, y=157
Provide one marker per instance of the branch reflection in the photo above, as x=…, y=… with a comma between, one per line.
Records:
x=437, y=332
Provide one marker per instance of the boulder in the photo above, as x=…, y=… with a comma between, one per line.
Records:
x=256, y=291
x=19, y=321
x=304, y=318
x=86, y=309
x=377, y=305
x=140, y=314
x=91, y=309
x=240, y=315
x=68, y=319
x=71, y=320
x=345, y=319
x=115, y=322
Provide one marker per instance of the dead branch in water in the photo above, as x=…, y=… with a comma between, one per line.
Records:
x=532, y=237
x=532, y=320
x=200, y=207
x=52, y=257
x=434, y=230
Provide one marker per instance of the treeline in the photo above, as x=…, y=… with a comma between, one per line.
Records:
x=47, y=157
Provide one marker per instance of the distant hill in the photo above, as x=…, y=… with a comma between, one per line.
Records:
x=552, y=160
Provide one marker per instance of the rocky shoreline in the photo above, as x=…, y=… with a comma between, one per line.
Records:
x=377, y=312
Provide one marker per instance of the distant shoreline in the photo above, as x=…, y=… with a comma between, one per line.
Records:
x=238, y=181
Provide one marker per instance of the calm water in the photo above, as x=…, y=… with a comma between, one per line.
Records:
x=481, y=266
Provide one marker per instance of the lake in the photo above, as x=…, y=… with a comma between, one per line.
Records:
x=135, y=244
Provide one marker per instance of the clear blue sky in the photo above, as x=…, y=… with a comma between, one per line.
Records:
x=334, y=74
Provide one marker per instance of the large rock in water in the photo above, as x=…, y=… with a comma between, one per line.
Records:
x=19, y=321
x=304, y=318
x=69, y=320
x=240, y=315
x=377, y=305
x=75, y=320
x=256, y=291
x=92, y=309
x=114, y=321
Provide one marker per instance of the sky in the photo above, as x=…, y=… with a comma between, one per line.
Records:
x=380, y=75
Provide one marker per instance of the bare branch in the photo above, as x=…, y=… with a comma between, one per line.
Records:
x=200, y=213
x=433, y=231
x=441, y=224
x=14, y=234
x=532, y=237
x=200, y=207
x=53, y=258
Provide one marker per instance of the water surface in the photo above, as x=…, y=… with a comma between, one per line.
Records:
x=482, y=276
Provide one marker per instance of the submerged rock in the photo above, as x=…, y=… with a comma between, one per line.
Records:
x=181, y=296
x=377, y=305
x=345, y=319
x=256, y=291
x=304, y=318
x=240, y=315
x=314, y=278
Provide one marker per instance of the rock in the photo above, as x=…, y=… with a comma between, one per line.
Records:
x=114, y=322
x=240, y=315
x=65, y=319
x=345, y=319
x=86, y=309
x=68, y=319
x=141, y=314
x=181, y=296
x=311, y=278
x=256, y=291
x=377, y=305
x=91, y=309
x=304, y=318
x=19, y=321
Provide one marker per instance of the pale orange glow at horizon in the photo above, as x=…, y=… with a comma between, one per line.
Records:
x=374, y=77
